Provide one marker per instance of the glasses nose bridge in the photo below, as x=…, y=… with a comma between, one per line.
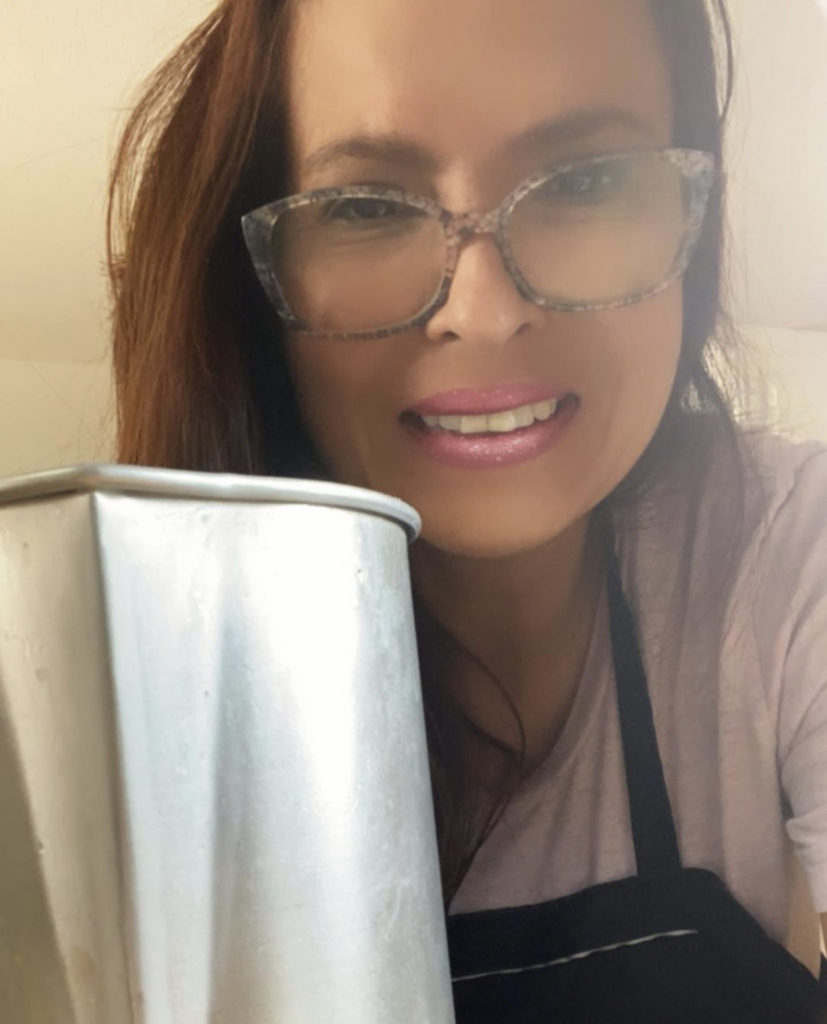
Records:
x=463, y=226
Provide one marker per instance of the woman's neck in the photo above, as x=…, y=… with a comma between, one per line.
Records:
x=526, y=620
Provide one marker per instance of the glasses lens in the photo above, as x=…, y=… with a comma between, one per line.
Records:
x=604, y=230
x=357, y=263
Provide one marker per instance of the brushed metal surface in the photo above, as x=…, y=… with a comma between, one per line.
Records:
x=213, y=774
x=179, y=483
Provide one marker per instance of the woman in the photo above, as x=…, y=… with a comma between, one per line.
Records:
x=494, y=294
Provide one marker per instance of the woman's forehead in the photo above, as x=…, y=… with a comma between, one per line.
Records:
x=473, y=76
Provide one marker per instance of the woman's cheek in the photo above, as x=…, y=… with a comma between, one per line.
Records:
x=632, y=360
x=337, y=403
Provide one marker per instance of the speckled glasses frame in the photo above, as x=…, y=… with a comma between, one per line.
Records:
x=697, y=168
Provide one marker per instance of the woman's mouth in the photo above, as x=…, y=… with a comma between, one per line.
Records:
x=505, y=422
x=487, y=440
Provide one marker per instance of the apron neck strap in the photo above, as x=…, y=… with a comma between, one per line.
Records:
x=653, y=828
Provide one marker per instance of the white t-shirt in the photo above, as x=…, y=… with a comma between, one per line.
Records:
x=737, y=673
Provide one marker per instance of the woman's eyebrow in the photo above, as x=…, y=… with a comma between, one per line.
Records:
x=386, y=149
x=540, y=139
x=578, y=126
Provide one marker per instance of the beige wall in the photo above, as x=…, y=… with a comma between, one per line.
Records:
x=777, y=162
x=68, y=72
x=53, y=414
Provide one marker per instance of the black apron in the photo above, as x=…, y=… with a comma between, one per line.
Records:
x=668, y=946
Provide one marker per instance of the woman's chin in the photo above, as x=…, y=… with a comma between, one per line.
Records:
x=491, y=538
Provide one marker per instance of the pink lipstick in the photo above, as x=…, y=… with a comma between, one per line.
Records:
x=490, y=427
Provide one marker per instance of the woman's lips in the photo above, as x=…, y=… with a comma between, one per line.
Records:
x=486, y=400
x=489, y=450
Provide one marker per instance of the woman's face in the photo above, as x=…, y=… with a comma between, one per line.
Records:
x=461, y=101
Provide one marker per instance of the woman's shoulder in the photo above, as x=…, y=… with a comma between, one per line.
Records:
x=744, y=490
x=764, y=468
x=783, y=571
x=753, y=504
x=771, y=564
x=785, y=561
x=783, y=476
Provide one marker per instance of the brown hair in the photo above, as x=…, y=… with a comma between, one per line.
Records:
x=200, y=376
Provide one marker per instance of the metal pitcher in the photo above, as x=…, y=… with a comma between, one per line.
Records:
x=214, y=795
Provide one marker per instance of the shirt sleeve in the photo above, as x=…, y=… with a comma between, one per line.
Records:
x=793, y=593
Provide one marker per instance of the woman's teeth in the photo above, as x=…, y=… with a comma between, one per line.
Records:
x=495, y=423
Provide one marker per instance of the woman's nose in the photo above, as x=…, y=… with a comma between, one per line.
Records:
x=484, y=305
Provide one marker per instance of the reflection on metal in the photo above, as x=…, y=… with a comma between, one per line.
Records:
x=214, y=788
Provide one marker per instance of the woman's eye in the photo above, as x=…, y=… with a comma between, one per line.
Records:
x=364, y=210
x=583, y=185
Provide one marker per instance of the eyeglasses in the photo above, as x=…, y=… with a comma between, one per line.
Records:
x=367, y=262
